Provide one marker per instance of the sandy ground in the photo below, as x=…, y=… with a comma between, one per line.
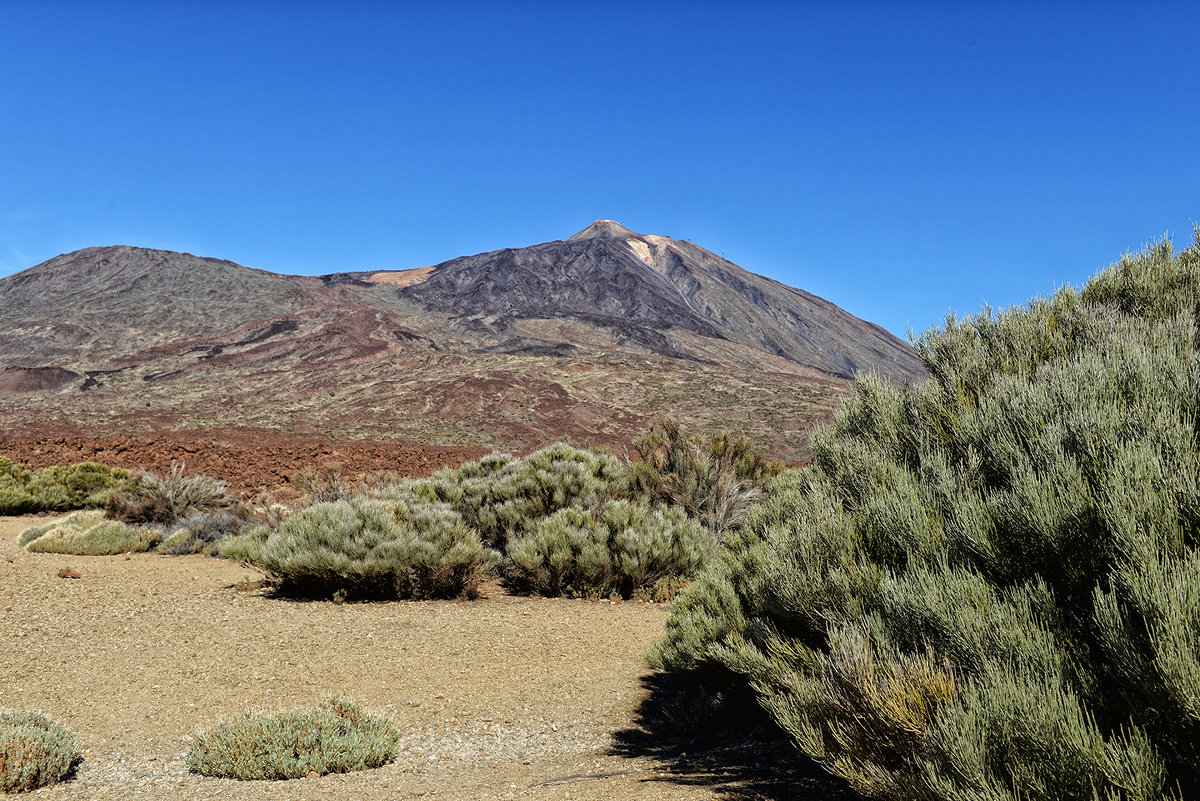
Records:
x=503, y=697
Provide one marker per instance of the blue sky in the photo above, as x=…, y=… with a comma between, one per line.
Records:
x=900, y=159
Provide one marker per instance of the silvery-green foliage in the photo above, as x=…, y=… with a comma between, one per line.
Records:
x=620, y=548
x=498, y=494
x=89, y=534
x=363, y=547
x=987, y=586
x=34, y=752
x=338, y=737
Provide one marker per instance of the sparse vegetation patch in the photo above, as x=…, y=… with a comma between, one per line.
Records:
x=200, y=531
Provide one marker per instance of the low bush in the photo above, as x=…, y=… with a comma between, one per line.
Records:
x=246, y=547
x=336, y=738
x=200, y=531
x=89, y=534
x=56, y=489
x=34, y=752
x=164, y=500
x=621, y=548
x=369, y=548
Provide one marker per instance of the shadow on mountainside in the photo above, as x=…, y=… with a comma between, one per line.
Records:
x=744, y=758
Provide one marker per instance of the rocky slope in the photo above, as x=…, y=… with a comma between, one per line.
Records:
x=646, y=291
x=585, y=338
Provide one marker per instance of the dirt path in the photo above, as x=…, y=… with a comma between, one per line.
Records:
x=505, y=697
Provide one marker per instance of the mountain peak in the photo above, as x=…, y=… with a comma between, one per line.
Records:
x=604, y=229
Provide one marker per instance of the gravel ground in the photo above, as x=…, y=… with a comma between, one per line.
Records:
x=503, y=697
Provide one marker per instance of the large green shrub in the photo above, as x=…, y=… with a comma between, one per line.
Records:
x=369, y=548
x=987, y=586
x=622, y=548
x=498, y=494
x=34, y=752
x=56, y=489
x=337, y=738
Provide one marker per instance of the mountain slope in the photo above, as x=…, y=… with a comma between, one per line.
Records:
x=641, y=288
x=586, y=338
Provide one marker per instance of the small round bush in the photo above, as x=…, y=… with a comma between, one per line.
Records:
x=336, y=738
x=34, y=752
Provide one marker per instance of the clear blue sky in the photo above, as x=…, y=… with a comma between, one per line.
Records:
x=900, y=159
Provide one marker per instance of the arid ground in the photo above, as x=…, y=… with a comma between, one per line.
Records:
x=503, y=697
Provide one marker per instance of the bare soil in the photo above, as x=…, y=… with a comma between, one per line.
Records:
x=503, y=697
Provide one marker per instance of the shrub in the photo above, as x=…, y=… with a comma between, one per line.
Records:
x=622, y=548
x=89, y=534
x=199, y=531
x=34, y=752
x=320, y=484
x=369, y=548
x=714, y=483
x=498, y=494
x=337, y=738
x=988, y=586
x=56, y=489
x=164, y=500
x=246, y=547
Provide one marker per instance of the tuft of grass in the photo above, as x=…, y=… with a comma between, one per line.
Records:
x=34, y=752
x=337, y=738
x=89, y=534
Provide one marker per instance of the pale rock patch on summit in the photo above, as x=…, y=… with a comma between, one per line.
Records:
x=642, y=251
x=402, y=278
